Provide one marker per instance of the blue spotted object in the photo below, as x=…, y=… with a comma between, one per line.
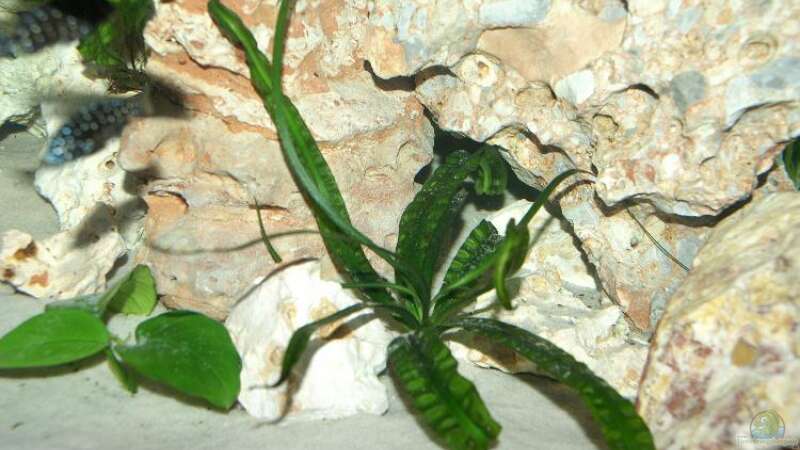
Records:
x=39, y=28
x=87, y=131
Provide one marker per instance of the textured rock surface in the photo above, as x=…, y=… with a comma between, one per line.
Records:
x=55, y=72
x=208, y=165
x=681, y=105
x=70, y=263
x=340, y=366
x=78, y=189
x=559, y=300
x=728, y=344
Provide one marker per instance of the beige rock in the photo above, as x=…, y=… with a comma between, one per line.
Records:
x=202, y=231
x=207, y=166
x=727, y=345
x=338, y=375
x=68, y=264
x=559, y=300
x=685, y=110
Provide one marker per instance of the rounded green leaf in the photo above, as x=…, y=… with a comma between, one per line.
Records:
x=52, y=338
x=188, y=352
x=136, y=294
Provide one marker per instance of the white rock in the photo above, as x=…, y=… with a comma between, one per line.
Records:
x=77, y=188
x=339, y=378
x=55, y=72
x=71, y=263
x=558, y=299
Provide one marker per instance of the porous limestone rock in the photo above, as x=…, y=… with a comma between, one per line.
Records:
x=208, y=164
x=559, y=300
x=70, y=263
x=728, y=345
x=54, y=73
x=77, y=188
x=337, y=376
x=680, y=105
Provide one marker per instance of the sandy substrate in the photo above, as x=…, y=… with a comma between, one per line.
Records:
x=83, y=407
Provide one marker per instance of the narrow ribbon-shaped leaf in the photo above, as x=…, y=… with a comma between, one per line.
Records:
x=299, y=340
x=188, y=352
x=276, y=258
x=449, y=403
x=619, y=422
x=511, y=255
x=52, y=338
x=304, y=158
x=791, y=162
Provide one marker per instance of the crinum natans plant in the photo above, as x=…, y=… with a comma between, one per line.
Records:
x=421, y=362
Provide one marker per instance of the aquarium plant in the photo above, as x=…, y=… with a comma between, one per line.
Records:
x=419, y=359
x=183, y=350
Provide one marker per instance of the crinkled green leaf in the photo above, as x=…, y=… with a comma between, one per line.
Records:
x=449, y=403
x=125, y=377
x=299, y=340
x=621, y=425
x=188, y=352
x=479, y=247
x=304, y=159
x=491, y=178
x=52, y=338
x=791, y=162
x=430, y=216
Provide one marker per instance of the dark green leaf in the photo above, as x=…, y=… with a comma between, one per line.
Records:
x=299, y=340
x=276, y=258
x=125, y=377
x=511, y=255
x=188, y=352
x=117, y=46
x=480, y=244
x=791, y=162
x=52, y=338
x=491, y=178
x=136, y=294
x=449, y=403
x=430, y=216
x=305, y=160
x=619, y=422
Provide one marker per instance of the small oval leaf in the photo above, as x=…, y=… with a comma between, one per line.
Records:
x=188, y=352
x=136, y=294
x=52, y=338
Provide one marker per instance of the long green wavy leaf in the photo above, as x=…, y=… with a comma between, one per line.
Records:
x=304, y=158
x=449, y=403
x=791, y=162
x=619, y=422
x=430, y=216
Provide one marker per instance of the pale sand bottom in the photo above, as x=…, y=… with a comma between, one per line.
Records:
x=85, y=408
